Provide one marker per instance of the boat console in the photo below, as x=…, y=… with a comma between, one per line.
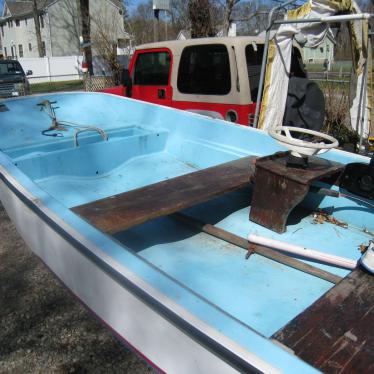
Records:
x=279, y=187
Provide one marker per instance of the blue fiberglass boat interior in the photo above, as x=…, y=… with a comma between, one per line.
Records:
x=147, y=144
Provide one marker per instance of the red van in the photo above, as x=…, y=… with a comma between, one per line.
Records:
x=218, y=77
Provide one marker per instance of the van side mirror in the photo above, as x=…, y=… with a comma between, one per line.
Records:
x=127, y=82
x=29, y=72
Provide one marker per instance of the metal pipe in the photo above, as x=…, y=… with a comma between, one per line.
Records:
x=362, y=101
x=271, y=23
x=349, y=17
x=361, y=113
x=264, y=58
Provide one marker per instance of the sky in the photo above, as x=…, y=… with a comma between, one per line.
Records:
x=133, y=4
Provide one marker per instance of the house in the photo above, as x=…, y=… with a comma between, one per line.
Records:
x=59, y=24
x=184, y=35
x=323, y=53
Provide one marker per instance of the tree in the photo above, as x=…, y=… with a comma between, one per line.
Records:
x=104, y=35
x=199, y=14
x=179, y=16
x=36, y=14
x=84, y=7
x=227, y=17
x=141, y=23
x=251, y=17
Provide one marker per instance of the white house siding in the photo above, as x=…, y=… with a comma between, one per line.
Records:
x=23, y=34
x=63, y=17
x=319, y=54
x=61, y=28
x=105, y=16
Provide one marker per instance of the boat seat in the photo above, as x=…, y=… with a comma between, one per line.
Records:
x=120, y=212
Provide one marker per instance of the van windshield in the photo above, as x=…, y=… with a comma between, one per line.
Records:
x=10, y=68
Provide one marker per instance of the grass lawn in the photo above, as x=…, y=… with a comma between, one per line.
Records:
x=338, y=66
x=56, y=86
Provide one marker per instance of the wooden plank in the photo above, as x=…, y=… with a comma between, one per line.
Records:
x=120, y=212
x=336, y=333
x=259, y=249
x=318, y=168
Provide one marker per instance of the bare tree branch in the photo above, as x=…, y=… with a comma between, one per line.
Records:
x=105, y=33
x=36, y=14
x=227, y=17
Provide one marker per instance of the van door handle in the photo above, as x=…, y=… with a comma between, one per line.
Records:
x=161, y=92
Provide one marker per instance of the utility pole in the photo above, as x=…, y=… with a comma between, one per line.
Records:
x=157, y=6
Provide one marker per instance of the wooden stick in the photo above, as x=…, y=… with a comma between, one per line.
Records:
x=263, y=251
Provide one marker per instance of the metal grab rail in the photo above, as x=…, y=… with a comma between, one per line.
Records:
x=272, y=22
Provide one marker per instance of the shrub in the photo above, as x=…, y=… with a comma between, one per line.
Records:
x=337, y=120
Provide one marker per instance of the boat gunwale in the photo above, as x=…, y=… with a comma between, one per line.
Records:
x=182, y=112
x=87, y=135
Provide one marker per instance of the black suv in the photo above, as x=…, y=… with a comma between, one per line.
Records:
x=13, y=81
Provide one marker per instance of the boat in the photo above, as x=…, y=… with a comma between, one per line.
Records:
x=191, y=238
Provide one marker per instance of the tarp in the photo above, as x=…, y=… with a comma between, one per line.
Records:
x=279, y=60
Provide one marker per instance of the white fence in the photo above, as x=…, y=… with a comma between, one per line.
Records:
x=52, y=69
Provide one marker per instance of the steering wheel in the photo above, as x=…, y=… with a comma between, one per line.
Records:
x=302, y=148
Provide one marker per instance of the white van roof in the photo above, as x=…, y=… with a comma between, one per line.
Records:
x=177, y=45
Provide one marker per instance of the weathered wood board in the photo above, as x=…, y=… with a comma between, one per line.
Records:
x=120, y=212
x=336, y=333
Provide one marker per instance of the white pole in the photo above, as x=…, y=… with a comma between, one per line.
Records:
x=329, y=19
x=304, y=252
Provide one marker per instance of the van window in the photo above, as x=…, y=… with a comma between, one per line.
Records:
x=152, y=69
x=253, y=56
x=205, y=70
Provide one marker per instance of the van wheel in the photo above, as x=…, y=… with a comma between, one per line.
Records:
x=232, y=116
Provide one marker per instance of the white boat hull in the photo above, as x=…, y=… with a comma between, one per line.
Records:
x=155, y=338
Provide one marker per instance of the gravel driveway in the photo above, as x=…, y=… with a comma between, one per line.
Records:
x=42, y=328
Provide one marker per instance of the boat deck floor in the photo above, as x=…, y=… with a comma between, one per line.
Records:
x=259, y=292
x=331, y=334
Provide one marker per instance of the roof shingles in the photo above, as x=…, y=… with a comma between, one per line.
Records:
x=20, y=8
